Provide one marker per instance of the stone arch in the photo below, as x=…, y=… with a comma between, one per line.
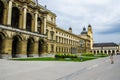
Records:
x=29, y=22
x=117, y=52
x=94, y=52
x=105, y=51
x=39, y=25
x=15, y=17
x=16, y=45
x=113, y=51
x=101, y=51
x=109, y=52
x=97, y=51
x=1, y=12
x=41, y=47
x=30, y=46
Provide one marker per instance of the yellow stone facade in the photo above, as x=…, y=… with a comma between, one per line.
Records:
x=28, y=29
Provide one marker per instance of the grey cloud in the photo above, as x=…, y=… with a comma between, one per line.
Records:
x=103, y=15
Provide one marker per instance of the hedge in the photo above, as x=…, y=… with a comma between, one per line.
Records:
x=65, y=56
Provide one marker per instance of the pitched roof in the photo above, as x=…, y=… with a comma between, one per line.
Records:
x=111, y=44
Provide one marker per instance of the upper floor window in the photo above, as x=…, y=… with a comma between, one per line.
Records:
x=52, y=34
x=1, y=12
x=15, y=17
x=28, y=22
x=39, y=25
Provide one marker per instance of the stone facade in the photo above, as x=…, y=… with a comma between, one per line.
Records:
x=28, y=29
x=106, y=48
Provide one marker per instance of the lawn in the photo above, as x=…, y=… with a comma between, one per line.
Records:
x=65, y=57
x=84, y=58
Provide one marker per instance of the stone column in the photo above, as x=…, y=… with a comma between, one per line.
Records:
x=35, y=49
x=36, y=21
x=9, y=13
x=103, y=51
x=5, y=16
x=24, y=17
x=106, y=51
x=45, y=20
x=115, y=52
x=57, y=39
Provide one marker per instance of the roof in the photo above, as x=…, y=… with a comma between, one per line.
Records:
x=110, y=44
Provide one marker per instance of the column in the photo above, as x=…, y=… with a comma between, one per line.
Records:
x=44, y=30
x=106, y=51
x=57, y=38
x=9, y=14
x=55, y=48
x=5, y=16
x=24, y=17
x=103, y=51
x=35, y=21
x=115, y=52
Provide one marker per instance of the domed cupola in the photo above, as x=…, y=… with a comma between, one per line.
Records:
x=84, y=31
x=70, y=29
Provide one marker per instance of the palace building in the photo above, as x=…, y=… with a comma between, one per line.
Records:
x=28, y=29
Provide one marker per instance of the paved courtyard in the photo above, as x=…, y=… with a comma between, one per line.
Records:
x=99, y=69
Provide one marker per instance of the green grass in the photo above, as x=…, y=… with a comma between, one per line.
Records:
x=55, y=59
x=65, y=57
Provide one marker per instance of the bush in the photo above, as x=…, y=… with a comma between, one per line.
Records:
x=65, y=56
x=101, y=55
x=87, y=54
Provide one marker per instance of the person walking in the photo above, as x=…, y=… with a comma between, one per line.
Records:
x=111, y=58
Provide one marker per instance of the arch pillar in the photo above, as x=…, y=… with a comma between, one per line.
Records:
x=106, y=51
x=115, y=52
x=6, y=49
x=22, y=52
x=32, y=48
x=103, y=51
x=35, y=49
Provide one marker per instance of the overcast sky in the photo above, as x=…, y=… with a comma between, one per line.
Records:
x=103, y=15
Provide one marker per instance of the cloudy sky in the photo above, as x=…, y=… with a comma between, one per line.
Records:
x=103, y=15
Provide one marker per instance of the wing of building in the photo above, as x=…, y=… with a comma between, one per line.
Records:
x=106, y=48
x=28, y=29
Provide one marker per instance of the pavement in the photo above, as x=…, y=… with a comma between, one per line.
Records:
x=98, y=69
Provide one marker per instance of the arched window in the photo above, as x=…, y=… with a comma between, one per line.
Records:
x=28, y=22
x=39, y=25
x=15, y=17
x=1, y=12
